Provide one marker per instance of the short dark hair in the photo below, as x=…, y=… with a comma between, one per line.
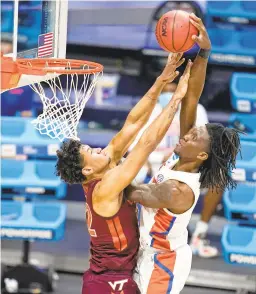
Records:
x=224, y=147
x=69, y=163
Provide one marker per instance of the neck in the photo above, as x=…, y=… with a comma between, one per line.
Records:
x=96, y=176
x=186, y=166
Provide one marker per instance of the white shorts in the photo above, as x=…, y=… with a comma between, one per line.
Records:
x=164, y=272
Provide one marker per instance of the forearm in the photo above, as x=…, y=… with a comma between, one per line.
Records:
x=143, y=109
x=157, y=130
x=197, y=79
x=189, y=104
x=136, y=120
x=154, y=134
x=151, y=195
x=140, y=114
x=169, y=194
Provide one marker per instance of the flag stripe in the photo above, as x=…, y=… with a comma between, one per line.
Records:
x=45, y=44
x=45, y=49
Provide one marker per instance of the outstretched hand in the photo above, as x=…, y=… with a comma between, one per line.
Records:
x=169, y=73
x=183, y=82
x=202, y=39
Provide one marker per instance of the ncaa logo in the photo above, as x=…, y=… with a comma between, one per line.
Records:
x=164, y=27
x=160, y=178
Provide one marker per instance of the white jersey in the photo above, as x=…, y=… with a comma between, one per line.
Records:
x=161, y=229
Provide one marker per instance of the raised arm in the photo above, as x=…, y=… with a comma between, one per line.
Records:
x=118, y=178
x=173, y=195
x=141, y=112
x=197, y=78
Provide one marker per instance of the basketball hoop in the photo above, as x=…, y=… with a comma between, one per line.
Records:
x=64, y=86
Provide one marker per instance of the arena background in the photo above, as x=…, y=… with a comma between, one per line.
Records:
x=120, y=35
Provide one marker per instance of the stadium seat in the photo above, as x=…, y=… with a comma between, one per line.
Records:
x=246, y=123
x=31, y=179
x=243, y=9
x=20, y=137
x=240, y=204
x=32, y=221
x=238, y=245
x=246, y=166
x=233, y=47
x=243, y=92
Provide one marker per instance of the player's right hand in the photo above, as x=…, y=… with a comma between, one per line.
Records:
x=203, y=39
x=183, y=82
x=169, y=73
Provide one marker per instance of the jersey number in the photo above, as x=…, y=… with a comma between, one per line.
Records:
x=89, y=221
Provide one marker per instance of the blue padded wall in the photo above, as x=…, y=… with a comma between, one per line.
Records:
x=239, y=245
x=33, y=221
x=243, y=92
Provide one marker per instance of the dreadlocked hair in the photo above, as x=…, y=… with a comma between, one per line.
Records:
x=69, y=162
x=224, y=147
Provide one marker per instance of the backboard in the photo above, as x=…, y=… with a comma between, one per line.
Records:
x=38, y=29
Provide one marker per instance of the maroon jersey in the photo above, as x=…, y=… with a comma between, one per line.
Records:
x=114, y=240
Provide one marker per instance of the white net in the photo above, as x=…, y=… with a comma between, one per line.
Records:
x=64, y=98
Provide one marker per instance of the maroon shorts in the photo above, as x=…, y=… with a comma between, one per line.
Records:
x=109, y=283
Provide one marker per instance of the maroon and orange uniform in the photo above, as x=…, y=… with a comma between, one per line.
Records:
x=114, y=245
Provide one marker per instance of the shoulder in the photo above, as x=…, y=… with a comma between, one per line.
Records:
x=169, y=190
x=178, y=187
x=105, y=204
x=182, y=196
x=185, y=190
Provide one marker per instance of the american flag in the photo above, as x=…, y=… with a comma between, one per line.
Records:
x=45, y=45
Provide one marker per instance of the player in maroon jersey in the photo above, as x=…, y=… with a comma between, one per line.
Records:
x=111, y=219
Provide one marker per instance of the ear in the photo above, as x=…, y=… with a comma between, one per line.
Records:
x=87, y=171
x=202, y=156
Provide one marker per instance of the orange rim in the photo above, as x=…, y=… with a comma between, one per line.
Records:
x=70, y=66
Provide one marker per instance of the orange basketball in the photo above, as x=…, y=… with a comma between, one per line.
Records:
x=174, y=31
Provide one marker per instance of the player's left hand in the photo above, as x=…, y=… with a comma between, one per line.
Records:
x=169, y=73
x=203, y=39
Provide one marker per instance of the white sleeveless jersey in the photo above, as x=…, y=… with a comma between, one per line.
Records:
x=159, y=228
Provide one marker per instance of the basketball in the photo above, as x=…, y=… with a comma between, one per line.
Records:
x=174, y=31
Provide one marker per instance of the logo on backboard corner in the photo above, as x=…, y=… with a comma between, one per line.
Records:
x=160, y=178
x=164, y=27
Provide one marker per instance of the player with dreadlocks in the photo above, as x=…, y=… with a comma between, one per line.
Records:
x=224, y=146
x=206, y=157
